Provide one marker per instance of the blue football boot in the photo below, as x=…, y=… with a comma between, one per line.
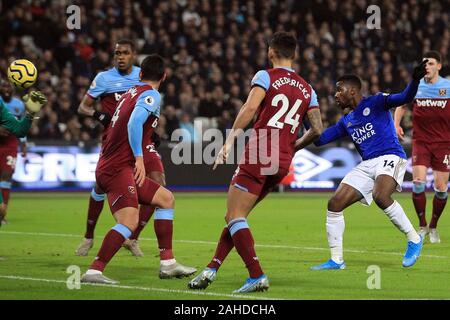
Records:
x=412, y=253
x=254, y=284
x=329, y=265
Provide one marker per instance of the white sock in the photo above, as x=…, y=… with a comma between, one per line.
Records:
x=93, y=271
x=167, y=262
x=400, y=220
x=335, y=234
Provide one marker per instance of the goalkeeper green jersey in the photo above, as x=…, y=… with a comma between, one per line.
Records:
x=19, y=128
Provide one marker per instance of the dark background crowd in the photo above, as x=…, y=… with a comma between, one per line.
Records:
x=213, y=49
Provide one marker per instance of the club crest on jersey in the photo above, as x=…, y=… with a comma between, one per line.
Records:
x=442, y=92
x=148, y=100
x=366, y=111
x=349, y=125
x=131, y=189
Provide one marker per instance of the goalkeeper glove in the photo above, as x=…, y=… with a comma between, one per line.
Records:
x=104, y=118
x=34, y=101
x=420, y=71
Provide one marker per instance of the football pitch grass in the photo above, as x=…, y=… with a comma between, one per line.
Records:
x=38, y=246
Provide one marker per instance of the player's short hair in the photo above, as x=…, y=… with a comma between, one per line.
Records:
x=434, y=55
x=127, y=42
x=152, y=68
x=351, y=79
x=284, y=44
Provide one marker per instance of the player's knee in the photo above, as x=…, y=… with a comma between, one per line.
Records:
x=229, y=217
x=233, y=216
x=132, y=225
x=167, y=200
x=335, y=204
x=382, y=199
x=419, y=186
x=132, y=222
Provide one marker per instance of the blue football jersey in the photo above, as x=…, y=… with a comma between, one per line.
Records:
x=370, y=126
x=109, y=86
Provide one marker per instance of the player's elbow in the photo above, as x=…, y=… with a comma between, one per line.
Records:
x=316, y=131
x=130, y=131
x=250, y=107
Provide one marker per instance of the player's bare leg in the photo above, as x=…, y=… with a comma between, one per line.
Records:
x=344, y=197
x=239, y=205
x=419, y=197
x=96, y=201
x=439, y=202
x=145, y=213
x=383, y=189
x=163, y=219
x=127, y=220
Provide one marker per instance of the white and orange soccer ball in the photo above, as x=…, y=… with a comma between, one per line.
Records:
x=22, y=73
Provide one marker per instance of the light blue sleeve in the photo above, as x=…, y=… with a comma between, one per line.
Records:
x=98, y=86
x=261, y=79
x=147, y=103
x=150, y=100
x=314, y=103
x=136, y=128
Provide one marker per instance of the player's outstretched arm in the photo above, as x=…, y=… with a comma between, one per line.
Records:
x=316, y=128
x=331, y=134
x=398, y=116
x=407, y=95
x=245, y=115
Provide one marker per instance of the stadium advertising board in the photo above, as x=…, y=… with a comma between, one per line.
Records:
x=73, y=168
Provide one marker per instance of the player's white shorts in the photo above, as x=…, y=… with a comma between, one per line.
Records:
x=363, y=176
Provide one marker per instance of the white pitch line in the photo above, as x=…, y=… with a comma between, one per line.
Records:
x=197, y=293
x=215, y=243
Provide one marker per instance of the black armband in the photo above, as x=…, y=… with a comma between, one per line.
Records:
x=104, y=118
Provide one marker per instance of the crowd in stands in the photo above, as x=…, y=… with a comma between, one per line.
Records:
x=213, y=49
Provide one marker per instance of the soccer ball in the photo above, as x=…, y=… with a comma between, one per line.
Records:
x=22, y=73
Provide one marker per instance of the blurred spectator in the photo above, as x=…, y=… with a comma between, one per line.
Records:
x=189, y=131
